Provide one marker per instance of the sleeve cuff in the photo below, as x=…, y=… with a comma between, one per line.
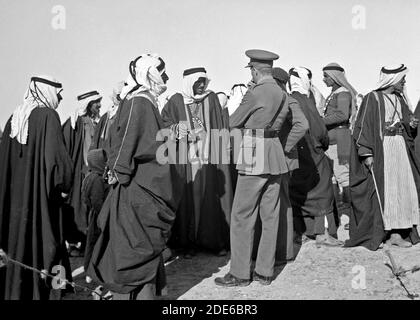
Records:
x=364, y=152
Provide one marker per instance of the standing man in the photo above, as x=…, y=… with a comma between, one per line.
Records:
x=311, y=191
x=339, y=107
x=195, y=118
x=102, y=128
x=78, y=133
x=138, y=213
x=384, y=150
x=35, y=170
x=263, y=176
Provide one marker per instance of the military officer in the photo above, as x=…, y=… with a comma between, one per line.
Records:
x=262, y=169
x=340, y=105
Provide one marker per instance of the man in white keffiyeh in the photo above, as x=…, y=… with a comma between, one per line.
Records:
x=194, y=85
x=299, y=81
x=196, y=120
x=89, y=105
x=310, y=189
x=35, y=172
x=43, y=91
x=137, y=217
x=385, y=170
x=147, y=76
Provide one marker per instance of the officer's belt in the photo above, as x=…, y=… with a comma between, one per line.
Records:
x=267, y=133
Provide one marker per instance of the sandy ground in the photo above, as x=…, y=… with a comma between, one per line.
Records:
x=316, y=273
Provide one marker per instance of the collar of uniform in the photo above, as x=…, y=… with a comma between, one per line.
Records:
x=267, y=80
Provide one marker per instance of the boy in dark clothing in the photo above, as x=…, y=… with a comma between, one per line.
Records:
x=94, y=191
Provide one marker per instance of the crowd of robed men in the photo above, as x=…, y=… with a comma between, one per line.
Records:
x=132, y=187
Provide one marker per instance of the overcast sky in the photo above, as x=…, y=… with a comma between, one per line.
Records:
x=101, y=38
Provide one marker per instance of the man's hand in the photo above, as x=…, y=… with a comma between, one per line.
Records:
x=414, y=122
x=182, y=130
x=112, y=179
x=368, y=162
x=64, y=195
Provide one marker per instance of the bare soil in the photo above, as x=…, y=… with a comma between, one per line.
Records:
x=316, y=273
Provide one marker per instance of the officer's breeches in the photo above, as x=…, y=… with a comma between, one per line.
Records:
x=341, y=171
x=255, y=195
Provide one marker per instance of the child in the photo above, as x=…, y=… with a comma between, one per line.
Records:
x=94, y=192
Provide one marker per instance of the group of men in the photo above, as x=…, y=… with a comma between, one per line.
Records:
x=241, y=174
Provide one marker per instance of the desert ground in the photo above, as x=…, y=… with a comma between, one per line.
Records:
x=320, y=273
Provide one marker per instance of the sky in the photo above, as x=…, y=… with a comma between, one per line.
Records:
x=91, y=48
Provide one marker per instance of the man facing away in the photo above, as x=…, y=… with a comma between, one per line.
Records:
x=261, y=180
x=35, y=171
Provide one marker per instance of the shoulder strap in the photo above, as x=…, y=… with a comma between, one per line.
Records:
x=283, y=100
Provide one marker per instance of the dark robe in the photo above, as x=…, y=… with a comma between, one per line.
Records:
x=417, y=139
x=75, y=212
x=310, y=187
x=102, y=130
x=139, y=211
x=94, y=192
x=366, y=225
x=232, y=168
x=225, y=116
x=209, y=228
x=99, y=136
x=32, y=178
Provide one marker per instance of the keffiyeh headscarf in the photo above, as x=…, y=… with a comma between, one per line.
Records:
x=84, y=100
x=146, y=73
x=390, y=76
x=236, y=95
x=337, y=73
x=300, y=80
x=319, y=98
x=116, y=99
x=190, y=78
x=42, y=92
x=223, y=99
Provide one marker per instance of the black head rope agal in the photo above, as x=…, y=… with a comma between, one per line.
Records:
x=36, y=92
x=5, y=260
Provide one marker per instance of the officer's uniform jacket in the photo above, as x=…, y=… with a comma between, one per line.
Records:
x=259, y=155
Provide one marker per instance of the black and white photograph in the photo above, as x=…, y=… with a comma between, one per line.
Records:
x=224, y=152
